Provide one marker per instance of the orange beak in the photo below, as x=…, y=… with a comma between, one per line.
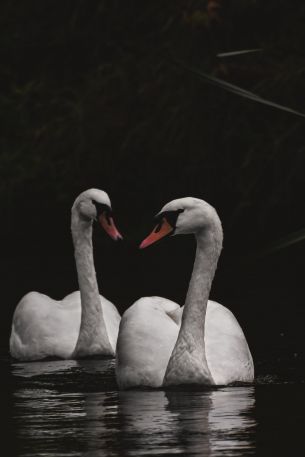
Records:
x=156, y=234
x=109, y=227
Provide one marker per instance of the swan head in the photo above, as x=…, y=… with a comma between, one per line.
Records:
x=94, y=205
x=181, y=217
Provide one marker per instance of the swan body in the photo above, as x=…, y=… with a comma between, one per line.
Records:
x=84, y=323
x=149, y=330
x=161, y=343
x=43, y=327
x=146, y=339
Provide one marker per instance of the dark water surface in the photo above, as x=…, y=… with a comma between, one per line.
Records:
x=73, y=408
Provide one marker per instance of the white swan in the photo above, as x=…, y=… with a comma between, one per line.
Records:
x=83, y=323
x=161, y=344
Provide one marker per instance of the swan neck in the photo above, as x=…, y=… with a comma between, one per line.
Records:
x=92, y=336
x=207, y=253
x=189, y=352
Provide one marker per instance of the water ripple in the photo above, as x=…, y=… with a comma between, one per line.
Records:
x=73, y=408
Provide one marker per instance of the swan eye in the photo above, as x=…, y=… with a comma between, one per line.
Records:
x=104, y=216
x=168, y=216
x=101, y=208
x=107, y=216
x=159, y=226
x=166, y=225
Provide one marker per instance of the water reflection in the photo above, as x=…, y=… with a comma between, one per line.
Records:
x=231, y=421
x=50, y=367
x=56, y=422
x=30, y=369
x=190, y=423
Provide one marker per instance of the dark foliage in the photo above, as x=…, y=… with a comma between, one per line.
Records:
x=91, y=96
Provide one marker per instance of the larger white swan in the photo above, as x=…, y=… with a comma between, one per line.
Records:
x=84, y=323
x=161, y=344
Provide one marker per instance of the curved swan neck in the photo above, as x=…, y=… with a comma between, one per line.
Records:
x=208, y=249
x=92, y=336
x=188, y=364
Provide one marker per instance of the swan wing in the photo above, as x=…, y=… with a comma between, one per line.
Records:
x=146, y=339
x=43, y=327
x=227, y=352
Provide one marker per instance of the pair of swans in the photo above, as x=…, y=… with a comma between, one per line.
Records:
x=156, y=343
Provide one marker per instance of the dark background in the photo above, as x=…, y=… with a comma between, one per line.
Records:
x=92, y=96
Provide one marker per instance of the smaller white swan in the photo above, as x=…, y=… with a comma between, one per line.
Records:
x=162, y=344
x=84, y=323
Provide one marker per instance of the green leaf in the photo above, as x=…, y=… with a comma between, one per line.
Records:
x=283, y=243
x=237, y=53
x=236, y=89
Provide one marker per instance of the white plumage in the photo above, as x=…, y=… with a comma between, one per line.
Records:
x=43, y=327
x=160, y=343
x=82, y=324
